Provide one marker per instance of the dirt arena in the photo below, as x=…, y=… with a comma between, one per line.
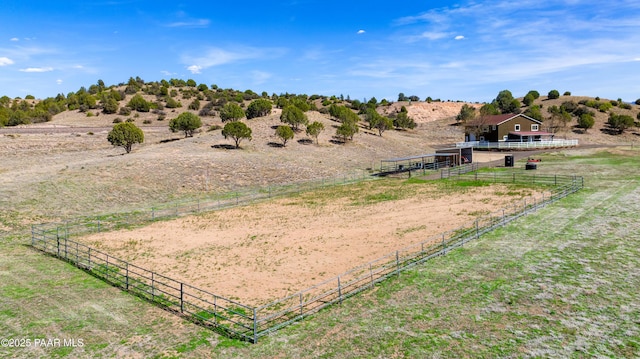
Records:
x=266, y=251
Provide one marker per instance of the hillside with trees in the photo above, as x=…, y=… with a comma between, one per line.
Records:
x=591, y=119
x=167, y=103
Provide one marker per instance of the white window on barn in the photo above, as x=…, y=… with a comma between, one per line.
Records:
x=517, y=127
x=534, y=127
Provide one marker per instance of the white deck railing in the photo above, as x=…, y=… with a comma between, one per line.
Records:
x=518, y=145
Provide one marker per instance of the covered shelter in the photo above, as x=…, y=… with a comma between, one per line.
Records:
x=431, y=161
x=461, y=155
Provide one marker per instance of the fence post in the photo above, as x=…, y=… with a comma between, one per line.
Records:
x=398, y=262
x=255, y=326
x=215, y=309
x=371, y=274
x=126, y=275
x=300, y=303
x=58, y=239
x=444, y=246
x=182, y=299
x=339, y=291
x=89, y=258
x=153, y=285
x=477, y=228
x=77, y=260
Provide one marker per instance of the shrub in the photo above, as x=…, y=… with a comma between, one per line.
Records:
x=117, y=120
x=146, y=122
x=125, y=135
x=553, y=94
x=285, y=133
x=586, y=121
x=258, y=108
x=605, y=106
x=187, y=122
x=139, y=104
x=620, y=122
x=237, y=131
x=567, y=93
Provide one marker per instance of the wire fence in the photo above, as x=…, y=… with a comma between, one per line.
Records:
x=236, y=320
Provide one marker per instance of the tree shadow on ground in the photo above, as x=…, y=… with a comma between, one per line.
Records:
x=170, y=140
x=224, y=147
x=275, y=144
x=610, y=131
x=305, y=141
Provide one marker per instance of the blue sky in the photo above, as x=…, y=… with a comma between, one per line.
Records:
x=467, y=50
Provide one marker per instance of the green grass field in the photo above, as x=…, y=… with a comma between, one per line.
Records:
x=562, y=282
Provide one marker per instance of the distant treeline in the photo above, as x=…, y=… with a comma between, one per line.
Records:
x=126, y=97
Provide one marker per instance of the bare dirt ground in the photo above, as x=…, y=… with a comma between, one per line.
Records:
x=267, y=251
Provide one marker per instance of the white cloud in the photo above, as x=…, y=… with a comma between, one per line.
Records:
x=217, y=56
x=59, y=81
x=14, y=39
x=459, y=37
x=191, y=23
x=360, y=32
x=4, y=61
x=260, y=77
x=167, y=73
x=37, y=69
x=429, y=35
x=195, y=69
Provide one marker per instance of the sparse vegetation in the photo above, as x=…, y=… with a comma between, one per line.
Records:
x=284, y=133
x=186, y=122
x=125, y=135
x=238, y=131
x=231, y=111
x=314, y=129
x=553, y=94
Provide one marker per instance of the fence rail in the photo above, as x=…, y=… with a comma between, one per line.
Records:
x=237, y=320
x=513, y=145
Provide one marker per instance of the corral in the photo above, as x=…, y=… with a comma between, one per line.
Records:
x=269, y=250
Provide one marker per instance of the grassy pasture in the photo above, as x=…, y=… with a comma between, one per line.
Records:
x=562, y=282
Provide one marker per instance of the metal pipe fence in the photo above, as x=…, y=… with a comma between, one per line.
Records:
x=249, y=323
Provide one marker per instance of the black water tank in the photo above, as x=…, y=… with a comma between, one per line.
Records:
x=531, y=166
x=508, y=161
